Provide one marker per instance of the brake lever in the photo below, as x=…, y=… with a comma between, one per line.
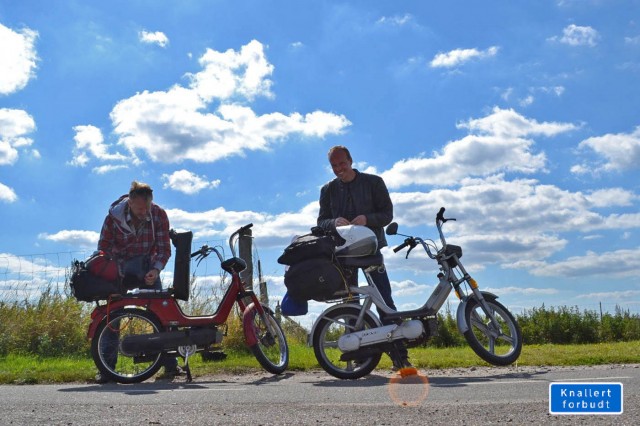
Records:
x=412, y=245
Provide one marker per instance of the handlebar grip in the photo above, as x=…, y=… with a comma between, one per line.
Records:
x=401, y=246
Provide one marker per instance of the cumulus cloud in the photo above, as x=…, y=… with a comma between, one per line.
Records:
x=180, y=124
x=592, y=264
x=19, y=58
x=458, y=57
x=188, y=182
x=89, y=143
x=515, y=224
x=575, y=35
x=619, y=152
x=498, y=142
x=7, y=194
x=74, y=238
x=15, y=125
x=156, y=37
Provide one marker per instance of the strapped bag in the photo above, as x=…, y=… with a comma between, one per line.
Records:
x=313, y=272
x=95, y=279
x=315, y=244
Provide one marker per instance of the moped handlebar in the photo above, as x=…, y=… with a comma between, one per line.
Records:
x=412, y=242
x=237, y=234
x=205, y=250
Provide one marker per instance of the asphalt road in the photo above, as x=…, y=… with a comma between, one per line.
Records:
x=453, y=397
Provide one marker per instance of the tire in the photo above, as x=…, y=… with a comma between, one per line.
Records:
x=325, y=344
x=271, y=351
x=497, y=347
x=105, y=346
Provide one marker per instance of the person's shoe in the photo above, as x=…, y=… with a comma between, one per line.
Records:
x=213, y=355
x=171, y=373
x=404, y=363
x=101, y=379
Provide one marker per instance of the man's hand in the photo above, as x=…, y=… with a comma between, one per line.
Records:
x=359, y=220
x=151, y=277
x=341, y=221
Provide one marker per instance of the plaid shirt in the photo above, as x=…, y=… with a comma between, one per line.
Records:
x=122, y=241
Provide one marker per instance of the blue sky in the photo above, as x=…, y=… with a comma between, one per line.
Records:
x=520, y=117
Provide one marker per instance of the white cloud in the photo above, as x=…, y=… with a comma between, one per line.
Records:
x=228, y=74
x=620, y=152
x=156, y=37
x=575, y=35
x=174, y=125
x=632, y=40
x=90, y=144
x=497, y=142
x=396, y=20
x=459, y=56
x=627, y=264
x=612, y=197
x=7, y=194
x=188, y=182
x=19, y=58
x=15, y=125
x=73, y=238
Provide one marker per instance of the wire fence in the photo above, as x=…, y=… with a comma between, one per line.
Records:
x=27, y=276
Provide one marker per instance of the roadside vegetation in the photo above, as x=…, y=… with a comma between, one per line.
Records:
x=44, y=340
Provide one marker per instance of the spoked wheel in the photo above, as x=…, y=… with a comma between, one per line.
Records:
x=271, y=350
x=499, y=343
x=106, y=346
x=334, y=324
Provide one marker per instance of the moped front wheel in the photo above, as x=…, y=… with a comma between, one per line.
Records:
x=329, y=329
x=271, y=349
x=499, y=342
x=106, y=346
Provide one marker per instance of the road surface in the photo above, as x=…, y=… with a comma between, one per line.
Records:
x=454, y=397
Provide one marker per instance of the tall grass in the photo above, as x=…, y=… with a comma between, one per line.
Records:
x=54, y=324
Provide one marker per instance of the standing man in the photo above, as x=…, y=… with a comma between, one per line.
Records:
x=355, y=198
x=136, y=234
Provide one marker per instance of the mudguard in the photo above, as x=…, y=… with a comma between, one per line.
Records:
x=247, y=323
x=463, y=327
x=332, y=308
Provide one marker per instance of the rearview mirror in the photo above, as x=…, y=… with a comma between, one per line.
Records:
x=392, y=228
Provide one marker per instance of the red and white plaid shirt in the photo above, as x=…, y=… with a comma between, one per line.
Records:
x=122, y=241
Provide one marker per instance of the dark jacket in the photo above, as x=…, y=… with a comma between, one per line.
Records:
x=370, y=198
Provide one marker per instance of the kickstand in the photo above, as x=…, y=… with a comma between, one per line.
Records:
x=186, y=352
x=188, y=370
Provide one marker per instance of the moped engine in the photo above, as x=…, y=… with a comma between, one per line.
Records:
x=408, y=330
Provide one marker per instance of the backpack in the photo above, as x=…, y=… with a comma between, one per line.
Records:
x=317, y=278
x=94, y=279
x=313, y=271
x=315, y=244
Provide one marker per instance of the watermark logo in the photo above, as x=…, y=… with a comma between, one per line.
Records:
x=585, y=398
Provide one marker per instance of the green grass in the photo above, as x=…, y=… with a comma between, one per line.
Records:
x=25, y=369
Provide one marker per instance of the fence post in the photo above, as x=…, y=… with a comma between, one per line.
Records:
x=245, y=252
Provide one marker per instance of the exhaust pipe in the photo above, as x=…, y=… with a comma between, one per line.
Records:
x=139, y=344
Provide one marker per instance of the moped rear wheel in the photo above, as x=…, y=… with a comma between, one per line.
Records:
x=498, y=345
x=271, y=349
x=106, y=349
x=334, y=324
